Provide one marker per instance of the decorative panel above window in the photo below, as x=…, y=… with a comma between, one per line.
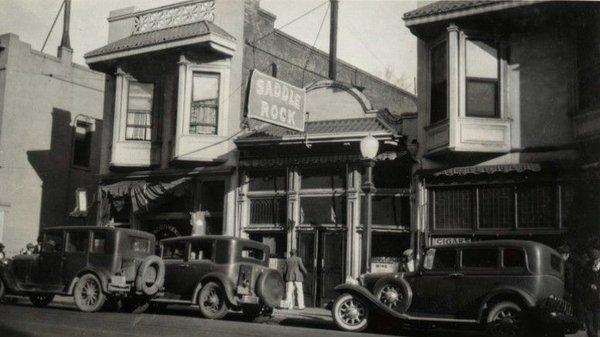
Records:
x=482, y=82
x=205, y=103
x=439, y=82
x=139, y=111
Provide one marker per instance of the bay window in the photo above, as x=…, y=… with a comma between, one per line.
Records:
x=439, y=82
x=139, y=111
x=204, y=108
x=482, y=78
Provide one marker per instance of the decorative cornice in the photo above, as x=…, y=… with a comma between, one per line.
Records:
x=183, y=14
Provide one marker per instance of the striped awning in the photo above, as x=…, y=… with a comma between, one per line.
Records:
x=490, y=169
x=319, y=160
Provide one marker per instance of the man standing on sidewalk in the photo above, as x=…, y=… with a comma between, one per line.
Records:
x=294, y=276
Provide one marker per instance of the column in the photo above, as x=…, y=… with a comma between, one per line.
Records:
x=181, y=92
x=353, y=251
x=293, y=206
x=242, y=205
x=453, y=82
x=120, y=90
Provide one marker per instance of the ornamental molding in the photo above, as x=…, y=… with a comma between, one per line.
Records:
x=183, y=14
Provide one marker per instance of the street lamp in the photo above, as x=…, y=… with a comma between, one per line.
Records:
x=368, y=149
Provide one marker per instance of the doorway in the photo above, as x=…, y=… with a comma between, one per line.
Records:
x=324, y=255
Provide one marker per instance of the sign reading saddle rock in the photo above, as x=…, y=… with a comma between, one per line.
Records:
x=276, y=102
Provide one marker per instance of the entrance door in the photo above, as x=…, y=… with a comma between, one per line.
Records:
x=323, y=253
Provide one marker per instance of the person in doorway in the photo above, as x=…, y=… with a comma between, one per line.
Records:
x=294, y=272
x=592, y=295
x=408, y=261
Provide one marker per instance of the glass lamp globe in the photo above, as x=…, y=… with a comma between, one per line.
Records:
x=369, y=147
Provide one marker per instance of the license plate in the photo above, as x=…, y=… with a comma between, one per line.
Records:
x=250, y=299
x=118, y=281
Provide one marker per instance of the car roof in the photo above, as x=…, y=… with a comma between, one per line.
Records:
x=497, y=243
x=105, y=228
x=210, y=238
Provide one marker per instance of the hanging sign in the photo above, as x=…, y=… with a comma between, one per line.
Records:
x=276, y=102
x=448, y=241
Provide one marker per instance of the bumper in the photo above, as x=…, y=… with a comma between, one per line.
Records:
x=556, y=314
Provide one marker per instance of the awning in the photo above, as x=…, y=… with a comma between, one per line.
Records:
x=318, y=159
x=490, y=169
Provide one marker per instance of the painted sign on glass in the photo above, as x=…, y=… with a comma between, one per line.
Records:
x=276, y=102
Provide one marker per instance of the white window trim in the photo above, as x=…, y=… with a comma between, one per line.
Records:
x=121, y=106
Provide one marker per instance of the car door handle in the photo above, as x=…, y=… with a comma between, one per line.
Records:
x=456, y=275
x=184, y=265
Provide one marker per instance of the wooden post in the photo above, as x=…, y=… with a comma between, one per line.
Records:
x=333, y=40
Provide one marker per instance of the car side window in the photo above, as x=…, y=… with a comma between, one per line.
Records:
x=513, y=258
x=99, y=242
x=174, y=251
x=444, y=259
x=480, y=258
x=201, y=251
x=253, y=253
x=53, y=242
x=77, y=242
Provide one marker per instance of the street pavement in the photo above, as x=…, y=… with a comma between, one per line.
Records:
x=61, y=318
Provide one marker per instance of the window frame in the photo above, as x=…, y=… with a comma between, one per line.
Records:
x=219, y=99
x=435, y=44
x=68, y=241
x=487, y=270
x=106, y=242
x=148, y=128
x=89, y=125
x=498, y=90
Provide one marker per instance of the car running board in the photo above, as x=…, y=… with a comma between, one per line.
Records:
x=439, y=319
x=166, y=300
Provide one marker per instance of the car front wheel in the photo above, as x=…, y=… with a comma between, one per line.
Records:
x=350, y=313
x=88, y=294
x=212, y=302
x=506, y=319
x=41, y=300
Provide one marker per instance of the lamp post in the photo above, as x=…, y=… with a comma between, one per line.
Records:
x=368, y=149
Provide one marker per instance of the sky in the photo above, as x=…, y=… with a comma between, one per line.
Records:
x=371, y=33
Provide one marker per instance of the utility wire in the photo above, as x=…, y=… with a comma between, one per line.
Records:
x=53, y=23
x=314, y=43
x=289, y=23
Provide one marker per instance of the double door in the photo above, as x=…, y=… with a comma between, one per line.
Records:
x=324, y=254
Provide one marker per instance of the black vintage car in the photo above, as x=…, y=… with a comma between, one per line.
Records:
x=510, y=287
x=92, y=264
x=219, y=273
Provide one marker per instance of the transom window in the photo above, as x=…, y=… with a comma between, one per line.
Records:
x=139, y=111
x=205, y=103
x=482, y=82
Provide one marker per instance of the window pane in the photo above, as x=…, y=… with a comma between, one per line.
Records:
x=77, y=242
x=323, y=178
x=53, y=242
x=496, y=207
x=268, y=211
x=385, y=176
x=267, y=181
x=253, y=253
x=513, y=258
x=140, y=96
x=444, y=259
x=82, y=145
x=453, y=208
x=390, y=210
x=201, y=251
x=205, y=103
x=174, y=251
x=439, y=82
x=322, y=210
x=482, y=98
x=482, y=59
x=139, y=112
x=99, y=243
x=537, y=206
x=480, y=258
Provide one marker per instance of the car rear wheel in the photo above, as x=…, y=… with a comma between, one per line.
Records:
x=350, y=313
x=506, y=319
x=88, y=294
x=41, y=300
x=212, y=302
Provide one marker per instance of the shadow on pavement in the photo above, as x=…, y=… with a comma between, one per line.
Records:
x=10, y=332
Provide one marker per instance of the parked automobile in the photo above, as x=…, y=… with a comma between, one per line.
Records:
x=507, y=286
x=219, y=273
x=92, y=264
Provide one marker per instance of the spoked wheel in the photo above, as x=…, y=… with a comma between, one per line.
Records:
x=212, y=301
x=349, y=313
x=41, y=300
x=88, y=294
x=390, y=295
x=505, y=319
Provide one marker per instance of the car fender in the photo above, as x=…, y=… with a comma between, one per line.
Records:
x=369, y=299
x=100, y=274
x=7, y=277
x=223, y=280
x=527, y=298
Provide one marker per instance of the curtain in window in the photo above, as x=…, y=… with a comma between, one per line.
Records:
x=205, y=104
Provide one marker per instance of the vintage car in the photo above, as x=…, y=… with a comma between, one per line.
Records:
x=92, y=264
x=506, y=286
x=219, y=273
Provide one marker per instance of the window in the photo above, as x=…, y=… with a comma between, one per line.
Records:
x=537, y=206
x=205, y=103
x=323, y=178
x=453, y=208
x=139, y=111
x=496, y=207
x=480, y=258
x=390, y=210
x=513, y=258
x=273, y=69
x=174, y=251
x=322, y=210
x=272, y=211
x=201, y=251
x=439, y=82
x=139, y=244
x=253, y=253
x=444, y=259
x=482, y=82
x=391, y=176
x=271, y=181
x=82, y=144
x=99, y=243
x=77, y=242
x=53, y=242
